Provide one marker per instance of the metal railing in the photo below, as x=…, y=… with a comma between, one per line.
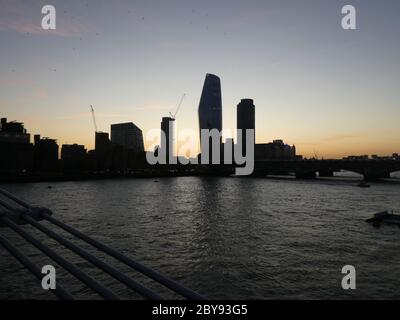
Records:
x=13, y=216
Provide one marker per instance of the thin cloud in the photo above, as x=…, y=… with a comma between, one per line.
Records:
x=155, y=105
x=26, y=27
x=309, y=144
x=34, y=94
x=11, y=81
x=342, y=137
x=148, y=106
x=89, y=115
x=25, y=17
x=20, y=27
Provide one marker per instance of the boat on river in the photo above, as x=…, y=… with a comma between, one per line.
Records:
x=385, y=217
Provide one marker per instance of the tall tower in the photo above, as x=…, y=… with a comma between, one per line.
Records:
x=210, y=107
x=167, y=126
x=245, y=120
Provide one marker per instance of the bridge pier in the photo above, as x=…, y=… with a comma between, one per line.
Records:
x=325, y=173
x=371, y=175
x=306, y=174
x=259, y=172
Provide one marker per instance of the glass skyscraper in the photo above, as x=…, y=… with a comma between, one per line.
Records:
x=210, y=107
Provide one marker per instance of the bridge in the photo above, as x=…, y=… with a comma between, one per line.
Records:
x=303, y=169
x=370, y=169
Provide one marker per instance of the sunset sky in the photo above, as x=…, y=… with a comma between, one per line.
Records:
x=329, y=91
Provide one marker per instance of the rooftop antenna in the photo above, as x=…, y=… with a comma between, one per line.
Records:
x=94, y=118
x=179, y=106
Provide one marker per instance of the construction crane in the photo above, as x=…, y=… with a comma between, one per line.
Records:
x=179, y=106
x=94, y=118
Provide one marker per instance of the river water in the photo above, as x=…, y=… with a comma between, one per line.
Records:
x=226, y=238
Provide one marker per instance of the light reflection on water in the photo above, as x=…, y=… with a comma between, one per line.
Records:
x=227, y=238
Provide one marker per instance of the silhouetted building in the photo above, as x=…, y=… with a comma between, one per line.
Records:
x=45, y=154
x=210, y=107
x=13, y=132
x=167, y=126
x=123, y=153
x=73, y=158
x=128, y=136
x=276, y=150
x=100, y=159
x=245, y=120
x=394, y=156
x=16, y=151
x=362, y=157
x=102, y=142
x=229, y=143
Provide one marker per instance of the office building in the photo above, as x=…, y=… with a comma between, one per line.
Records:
x=102, y=142
x=168, y=145
x=276, y=150
x=245, y=121
x=16, y=151
x=13, y=132
x=45, y=154
x=210, y=108
x=127, y=135
x=73, y=158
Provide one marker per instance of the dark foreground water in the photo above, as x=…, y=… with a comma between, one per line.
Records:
x=227, y=238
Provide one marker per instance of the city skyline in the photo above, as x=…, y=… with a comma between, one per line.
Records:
x=130, y=136
x=330, y=92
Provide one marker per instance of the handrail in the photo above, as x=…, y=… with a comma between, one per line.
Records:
x=59, y=291
x=95, y=261
x=78, y=273
x=31, y=215
x=14, y=198
x=169, y=283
